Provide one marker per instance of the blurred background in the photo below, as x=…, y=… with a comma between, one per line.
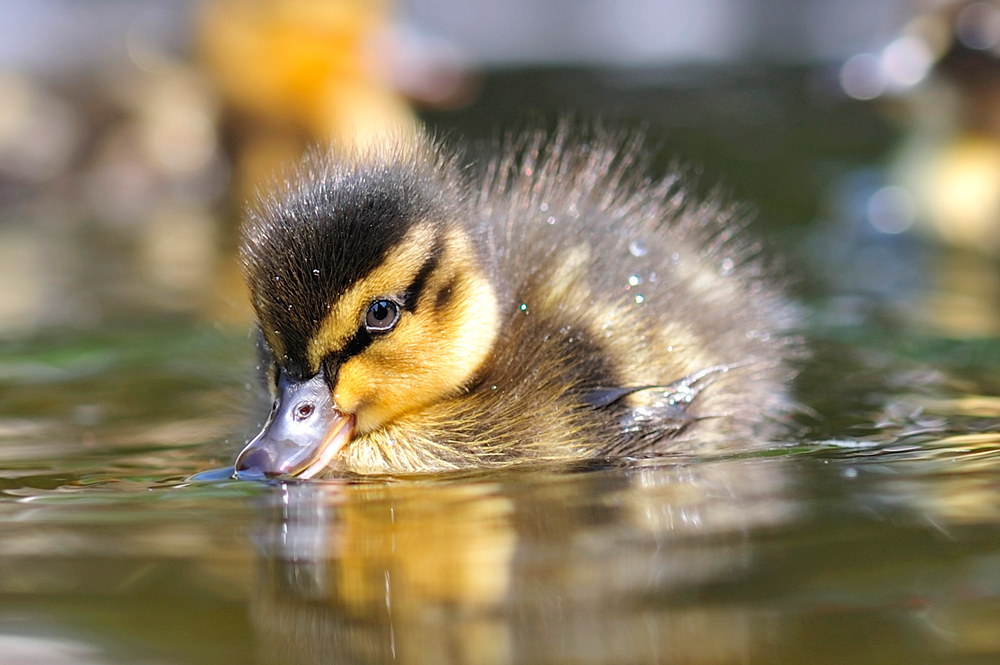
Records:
x=866, y=133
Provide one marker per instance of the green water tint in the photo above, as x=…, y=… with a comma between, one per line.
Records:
x=871, y=537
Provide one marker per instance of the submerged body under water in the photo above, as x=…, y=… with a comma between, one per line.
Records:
x=870, y=536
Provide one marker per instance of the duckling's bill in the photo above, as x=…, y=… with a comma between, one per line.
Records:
x=301, y=436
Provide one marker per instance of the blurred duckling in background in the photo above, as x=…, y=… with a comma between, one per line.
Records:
x=556, y=306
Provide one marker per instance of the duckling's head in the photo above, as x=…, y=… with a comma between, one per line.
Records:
x=368, y=285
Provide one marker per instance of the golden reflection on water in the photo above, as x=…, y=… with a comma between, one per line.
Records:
x=740, y=560
x=568, y=568
x=963, y=295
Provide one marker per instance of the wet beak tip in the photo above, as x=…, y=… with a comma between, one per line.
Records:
x=256, y=464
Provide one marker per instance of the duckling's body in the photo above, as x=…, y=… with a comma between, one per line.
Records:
x=553, y=307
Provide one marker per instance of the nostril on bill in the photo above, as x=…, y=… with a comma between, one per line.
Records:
x=303, y=411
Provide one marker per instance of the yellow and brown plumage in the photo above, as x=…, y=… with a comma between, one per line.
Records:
x=420, y=315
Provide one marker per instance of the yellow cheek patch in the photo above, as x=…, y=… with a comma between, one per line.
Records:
x=431, y=353
x=393, y=276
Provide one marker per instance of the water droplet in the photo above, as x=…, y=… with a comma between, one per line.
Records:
x=494, y=387
x=524, y=307
x=551, y=220
x=544, y=207
x=634, y=280
x=316, y=271
x=637, y=248
x=639, y=299
x=727, y=266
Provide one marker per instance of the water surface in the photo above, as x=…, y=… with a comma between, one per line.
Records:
x=869, y=534
x=873, y=536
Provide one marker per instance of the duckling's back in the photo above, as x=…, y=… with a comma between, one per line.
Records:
x=650, y=311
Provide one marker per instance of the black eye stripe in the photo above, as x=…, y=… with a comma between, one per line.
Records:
x=416, y=287
x=362, y=340
x=364, y=336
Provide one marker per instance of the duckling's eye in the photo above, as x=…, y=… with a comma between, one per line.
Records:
x=382, y=316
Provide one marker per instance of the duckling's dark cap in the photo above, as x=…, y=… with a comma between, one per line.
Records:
x=303, y=246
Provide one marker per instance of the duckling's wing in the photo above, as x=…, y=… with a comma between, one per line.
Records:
x=653, y=412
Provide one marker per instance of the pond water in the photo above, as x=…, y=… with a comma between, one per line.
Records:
x=878, y=541
x=870, y=535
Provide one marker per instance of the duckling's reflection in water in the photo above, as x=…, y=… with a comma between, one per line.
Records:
x=592, y=567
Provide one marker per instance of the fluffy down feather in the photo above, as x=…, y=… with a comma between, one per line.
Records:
x=567, y=306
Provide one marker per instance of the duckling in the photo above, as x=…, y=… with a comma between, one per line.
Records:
x=417, y=315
